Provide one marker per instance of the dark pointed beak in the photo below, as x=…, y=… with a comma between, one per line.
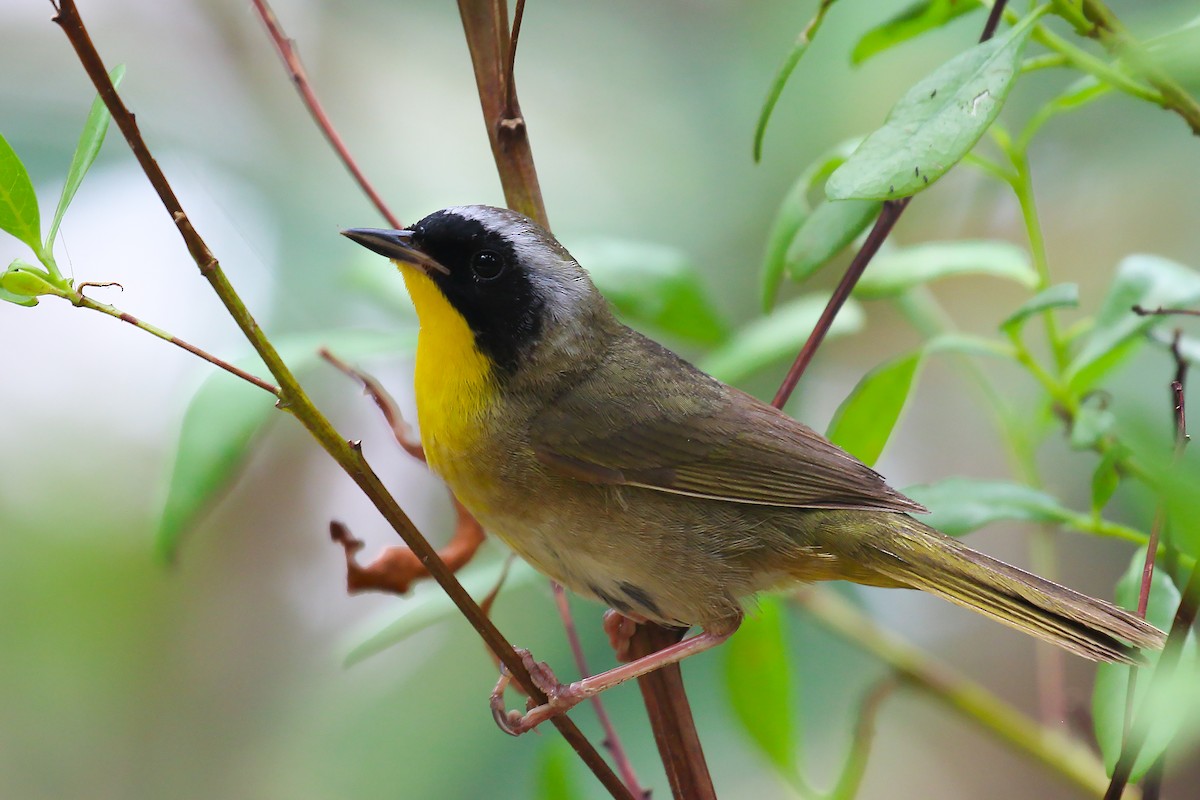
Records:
x=396, y=245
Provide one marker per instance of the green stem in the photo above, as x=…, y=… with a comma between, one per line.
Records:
x=1044, y=61
x=1091, y=18
x=1066, y=757
x=1101, y=69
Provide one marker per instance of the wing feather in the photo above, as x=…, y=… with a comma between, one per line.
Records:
x=671, y=428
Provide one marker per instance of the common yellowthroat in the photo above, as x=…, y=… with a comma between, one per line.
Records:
x=629, y=476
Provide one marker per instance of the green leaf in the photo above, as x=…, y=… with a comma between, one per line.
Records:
x=18, y=202
x=935, y=124
x=900, y=269
x=1173, y=701
x=1064, y=295
x=920, y=17
x=14, y=287
x=16, y=299
x=1091, y=423
x=865, y=420
x=791, y=215
x=427, y=605
x=25, y=280
x=1145, y=280
x=777, y=336
x=785, y=72
x=966, y=344
x=961, y=505
x=653, y=285
x=90, y=141
x=832, y=225
x=222, y=419
x=758, y=677
x=1106, y=479
x=556, y=779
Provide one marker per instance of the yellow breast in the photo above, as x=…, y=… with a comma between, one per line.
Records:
x=454, y=381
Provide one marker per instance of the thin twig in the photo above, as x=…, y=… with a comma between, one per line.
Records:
x=1160, y=311
x=892, y=209
x=485, y=23
x=855, y=765
x=83, y=301
x=295, y=67
x=670, y=716
x=510, y=85
x=1137, y=728
x=294, y=400
x=1168, y=662
x=611, y=741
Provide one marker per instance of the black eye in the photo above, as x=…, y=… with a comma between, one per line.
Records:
x=487, y=265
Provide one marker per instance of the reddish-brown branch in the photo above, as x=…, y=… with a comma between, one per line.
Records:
x=485, y=23
x=394, y=570
x=510, y=85
x=295, y=67
x=891, y=212
x=671, y=717
x=1142, y=311
x=1137, y=727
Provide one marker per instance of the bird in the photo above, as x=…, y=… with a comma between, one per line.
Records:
x=628, y=475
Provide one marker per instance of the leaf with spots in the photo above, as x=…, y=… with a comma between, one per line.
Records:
x=935, y=124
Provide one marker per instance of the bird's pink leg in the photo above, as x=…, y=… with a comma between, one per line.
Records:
x=562, y=697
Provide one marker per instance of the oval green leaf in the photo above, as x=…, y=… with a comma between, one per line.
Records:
x=1064, y=295
x=1143, y=280
x=758, y=678
x=791, y=215
x=90, y=140
x=777, y=336
x=785, y=72
x=902, y=268
x=222, y=420
x=935, y=124
x=961, y=505
x=832, y=225
x=654, y=285
x=918, y=18
x=18, y=202
x=864, y=422
x=1172, y=701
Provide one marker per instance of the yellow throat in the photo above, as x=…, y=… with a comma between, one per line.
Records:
x=454, y=380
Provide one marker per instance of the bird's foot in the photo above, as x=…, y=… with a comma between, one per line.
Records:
x=620, y=630
x=559, y=697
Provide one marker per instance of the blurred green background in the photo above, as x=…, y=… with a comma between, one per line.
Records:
x=222, y=676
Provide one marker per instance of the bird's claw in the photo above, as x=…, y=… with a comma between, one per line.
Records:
x=559, y=697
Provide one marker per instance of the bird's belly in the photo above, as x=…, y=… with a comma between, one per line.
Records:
x=623, y=547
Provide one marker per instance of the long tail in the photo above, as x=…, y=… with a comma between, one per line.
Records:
x=923, y=558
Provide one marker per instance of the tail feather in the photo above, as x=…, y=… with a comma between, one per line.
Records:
x=925, y=559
